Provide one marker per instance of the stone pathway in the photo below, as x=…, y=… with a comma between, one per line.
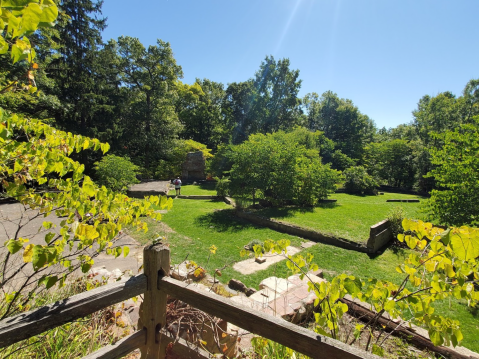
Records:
x=249, y=265
x=153, y=188
x=286, y=298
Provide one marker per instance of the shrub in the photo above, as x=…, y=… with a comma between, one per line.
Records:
x=280, y=169
x=358, y=181
x=116, y=173
x=222, y=186
x=395, y=217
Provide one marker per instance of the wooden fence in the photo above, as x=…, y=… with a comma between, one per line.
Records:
x=153, y=340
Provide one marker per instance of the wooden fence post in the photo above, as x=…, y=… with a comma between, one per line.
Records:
x=156, y=263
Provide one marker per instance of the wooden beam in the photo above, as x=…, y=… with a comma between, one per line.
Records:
x=180, y=348
x=404, y=332
x=121, y=347
x=156, y=263
x=265, y=325
x=32, y=323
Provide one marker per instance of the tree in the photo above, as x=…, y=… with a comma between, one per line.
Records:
x=115, y=173
x=202, y=117
x=278, y=168
x=456, y=172
x=392, y=161
x=237, y=108
x=150, y=77
x=358, y=181
x=340, y=121
x=77, y=75
x=265, y=104
x=277, y=106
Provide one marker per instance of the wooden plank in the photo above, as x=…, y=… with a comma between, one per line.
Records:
x=120, y=348
x=32, y=323
x=181, y=348
x=156, y=263
x=265, y=325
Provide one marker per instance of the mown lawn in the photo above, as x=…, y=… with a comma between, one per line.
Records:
x=350, y=217
x=198, y=224
x=202, y=189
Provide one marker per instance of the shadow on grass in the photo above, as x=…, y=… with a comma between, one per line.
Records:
x=474, y=311
x=285, y=212
x=210, y=186
x=223, y=220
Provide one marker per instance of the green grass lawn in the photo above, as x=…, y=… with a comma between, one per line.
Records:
x=202, y=189
x=198, y=224
x=350, y=217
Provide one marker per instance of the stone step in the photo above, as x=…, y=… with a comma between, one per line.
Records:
x=278, y=285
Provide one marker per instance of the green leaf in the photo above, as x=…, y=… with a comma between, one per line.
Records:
x=39, y=257
x=31, y=17
x=126, y=250
x=118, y=251
x=20, y=50
x=85, y=267
x=465, y=244
x=88, y=187
x=352, y=286
x=13, y=246
x=3, y=45
x=49, y=11
x=48, y=237
x=378, y=350
x=436, y=337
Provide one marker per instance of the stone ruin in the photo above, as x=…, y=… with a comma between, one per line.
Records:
x=193, y=169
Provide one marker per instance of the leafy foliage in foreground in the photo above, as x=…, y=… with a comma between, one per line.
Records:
x=444, y=265
x=33, y=153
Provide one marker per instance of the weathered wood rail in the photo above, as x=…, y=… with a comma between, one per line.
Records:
x=152, y=338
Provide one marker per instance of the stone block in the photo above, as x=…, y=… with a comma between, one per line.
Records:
x=264, y=296
x=260, y=260
x=317, y=273
x=237, y=285
x=278, y=285
x=250, y=291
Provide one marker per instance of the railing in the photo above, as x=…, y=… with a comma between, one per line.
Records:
x=153, y=340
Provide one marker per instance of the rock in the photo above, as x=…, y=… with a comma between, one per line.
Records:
x=317, y=273
x=308, y=244
x=185, y=271
x=278, y=285
x=250, y=291
x=260, y=260
x=237, y=285
x=194, y=167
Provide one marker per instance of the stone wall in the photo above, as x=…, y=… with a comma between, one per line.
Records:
x=193, y=169
x=379, y=235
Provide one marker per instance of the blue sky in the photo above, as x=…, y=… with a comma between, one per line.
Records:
x=384, y=55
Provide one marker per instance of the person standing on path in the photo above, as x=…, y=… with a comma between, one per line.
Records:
x=177, y=184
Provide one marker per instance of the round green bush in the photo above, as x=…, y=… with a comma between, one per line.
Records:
x=116, y=173
x=358, y=181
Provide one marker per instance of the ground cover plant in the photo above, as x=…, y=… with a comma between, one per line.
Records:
x=350, y=217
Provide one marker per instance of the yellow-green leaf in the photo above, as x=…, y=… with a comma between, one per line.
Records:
x=28, y=253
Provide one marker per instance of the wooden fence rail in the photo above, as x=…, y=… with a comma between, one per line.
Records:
x=152, y=338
